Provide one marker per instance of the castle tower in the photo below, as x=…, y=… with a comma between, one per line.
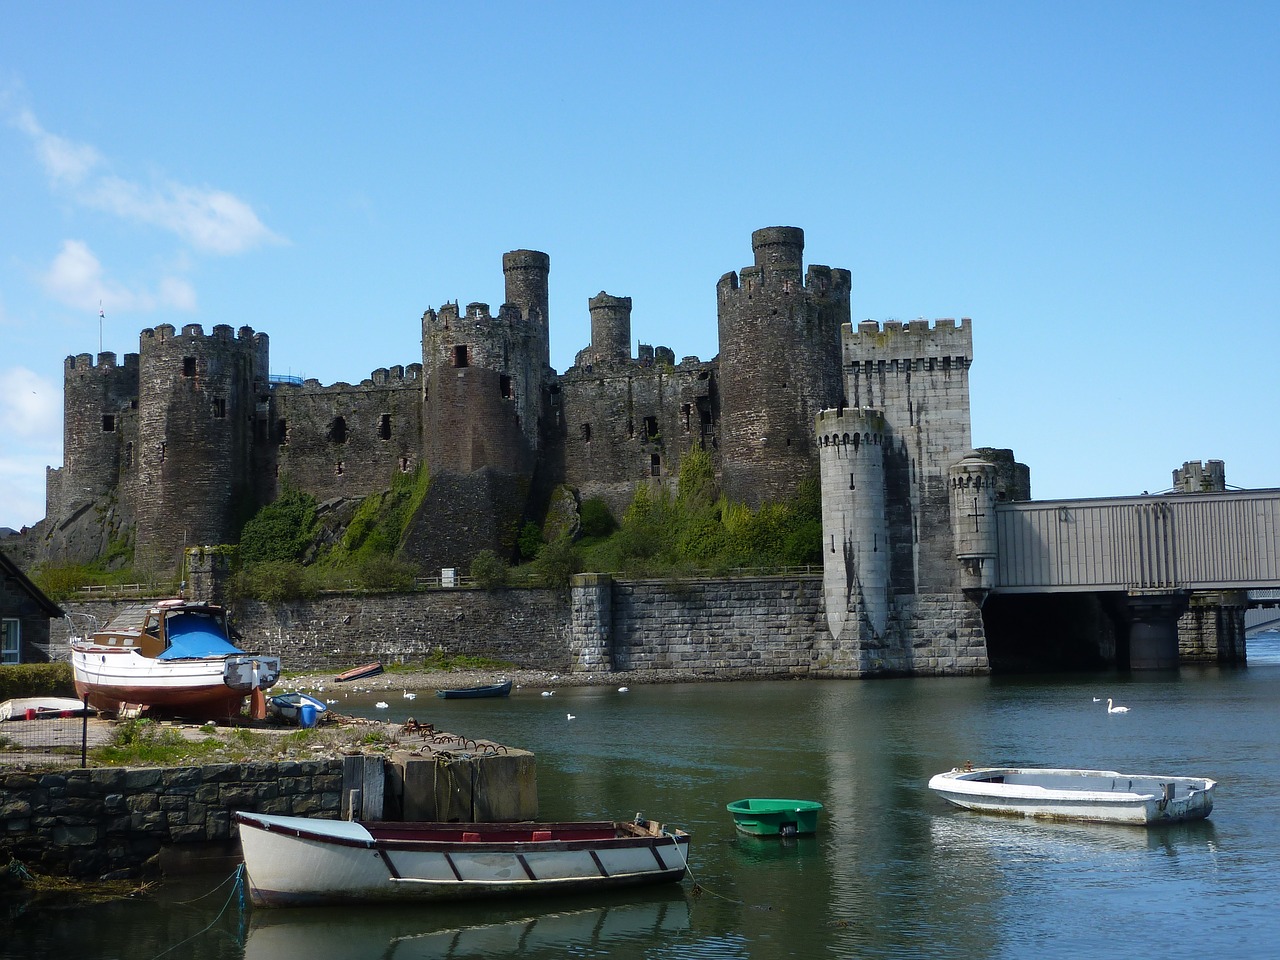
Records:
x=610, y=328
x=779, y=364
x=917, y=374
x=974, y=483
x=1196, y=477
x=197, y=403
x=856, y=549
x=98, y=427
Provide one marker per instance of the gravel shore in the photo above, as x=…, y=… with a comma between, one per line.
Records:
x=429, y=681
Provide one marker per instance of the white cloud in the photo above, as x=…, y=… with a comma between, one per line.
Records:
x=212, y=221
x=31, y=425
x=76, y=278
x=64, y=161
x=30, y=406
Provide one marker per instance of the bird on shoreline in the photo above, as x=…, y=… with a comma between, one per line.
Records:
x=1111, y=709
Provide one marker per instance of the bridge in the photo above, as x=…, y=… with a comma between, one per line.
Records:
x=1155, y=550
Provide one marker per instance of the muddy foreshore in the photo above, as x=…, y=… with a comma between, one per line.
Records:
x=429, y=681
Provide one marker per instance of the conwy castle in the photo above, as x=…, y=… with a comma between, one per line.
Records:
x=180, y=443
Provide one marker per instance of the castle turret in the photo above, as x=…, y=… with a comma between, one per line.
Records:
x=974, y=483
x=610, y=328
x=779, y=364
x=856, y=549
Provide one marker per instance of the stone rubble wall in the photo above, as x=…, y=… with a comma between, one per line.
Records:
x=110, y=821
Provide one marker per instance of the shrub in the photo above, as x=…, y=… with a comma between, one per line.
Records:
x=489, y=570
x=597, y=520
x=36, y=680
x=385, y=573
x=557, y=562
x=280, y=531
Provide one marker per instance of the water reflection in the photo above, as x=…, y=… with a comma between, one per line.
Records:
x=398, y=934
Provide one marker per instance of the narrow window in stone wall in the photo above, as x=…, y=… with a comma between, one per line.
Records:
x=384, y=427
x=338, y=469
x=586, y=432
x=631, y=428
x=108, y=423
x=338, y=430
x=188, y=366
x=10, y=641
x=163, y=450
x=460, y=358
x=504, y=386
x=404, y=464
x=686, y=410
x=651, y=428
x=128, y=454
x=655, y=465
x=220, y=408
x=282, y=432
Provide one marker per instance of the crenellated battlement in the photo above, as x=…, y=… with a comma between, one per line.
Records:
x=942, y=342
x=83, y=364
x=840, y=427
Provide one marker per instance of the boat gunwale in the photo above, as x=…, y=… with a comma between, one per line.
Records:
x=667, y=837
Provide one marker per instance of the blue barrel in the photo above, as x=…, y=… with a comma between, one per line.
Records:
x=307, y=715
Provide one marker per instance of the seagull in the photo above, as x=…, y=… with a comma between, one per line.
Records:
x=1111, y=709
x=382, y=704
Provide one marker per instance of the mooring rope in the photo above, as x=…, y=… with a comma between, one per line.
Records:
x=699, y=887
x=237, y=888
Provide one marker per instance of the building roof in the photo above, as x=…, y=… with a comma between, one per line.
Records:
x=10, y=571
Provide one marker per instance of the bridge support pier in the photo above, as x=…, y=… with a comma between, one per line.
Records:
x=1153, y=630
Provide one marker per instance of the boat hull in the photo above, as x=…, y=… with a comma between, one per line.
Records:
x=112, y=677
x=477, y=693
x=292, y=861
x=1095, y=796
x=775, y=818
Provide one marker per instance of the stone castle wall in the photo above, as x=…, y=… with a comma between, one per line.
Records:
x=344, y=440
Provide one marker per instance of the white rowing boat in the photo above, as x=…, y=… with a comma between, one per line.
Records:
x=301, y=860
x=1098, y=796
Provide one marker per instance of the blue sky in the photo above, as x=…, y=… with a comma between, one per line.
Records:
x=1094, y=184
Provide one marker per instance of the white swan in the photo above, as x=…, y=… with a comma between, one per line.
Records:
x=570, y=716
x=382, y=704
x=623, y=689
x=1111, y=709
x=410, y=696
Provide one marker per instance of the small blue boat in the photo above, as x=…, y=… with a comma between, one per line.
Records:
x=775, y=818
x=299, y=708
x=471, y=693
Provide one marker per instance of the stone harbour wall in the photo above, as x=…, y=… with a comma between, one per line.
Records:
x=113, y=821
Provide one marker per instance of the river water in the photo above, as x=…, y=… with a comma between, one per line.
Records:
x=892, y=872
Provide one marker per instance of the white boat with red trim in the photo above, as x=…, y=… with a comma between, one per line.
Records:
x=173, y=656
x=293, y=861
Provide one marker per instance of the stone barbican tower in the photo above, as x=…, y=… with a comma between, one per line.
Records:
x=779, y=364
x=903, y=583
x=197, y=404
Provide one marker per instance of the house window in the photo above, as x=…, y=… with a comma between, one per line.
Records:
x=188, y=366
x=460, y=356
x=108, y=423
x=10, y=643
x=384, y=427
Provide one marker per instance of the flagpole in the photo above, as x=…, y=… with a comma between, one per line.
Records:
x=101, y=316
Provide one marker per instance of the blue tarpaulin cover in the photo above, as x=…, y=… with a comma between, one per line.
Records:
x=196, y=635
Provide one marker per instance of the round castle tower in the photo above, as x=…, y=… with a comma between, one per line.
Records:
x=851, y=445
x=610, y=328
x=973, y=483
x=779, y=364
x=99, y=427
x=196, y=406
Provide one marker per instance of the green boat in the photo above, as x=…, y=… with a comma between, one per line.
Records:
x=775, y=818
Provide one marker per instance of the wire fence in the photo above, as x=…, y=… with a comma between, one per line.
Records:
x=38, y=733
